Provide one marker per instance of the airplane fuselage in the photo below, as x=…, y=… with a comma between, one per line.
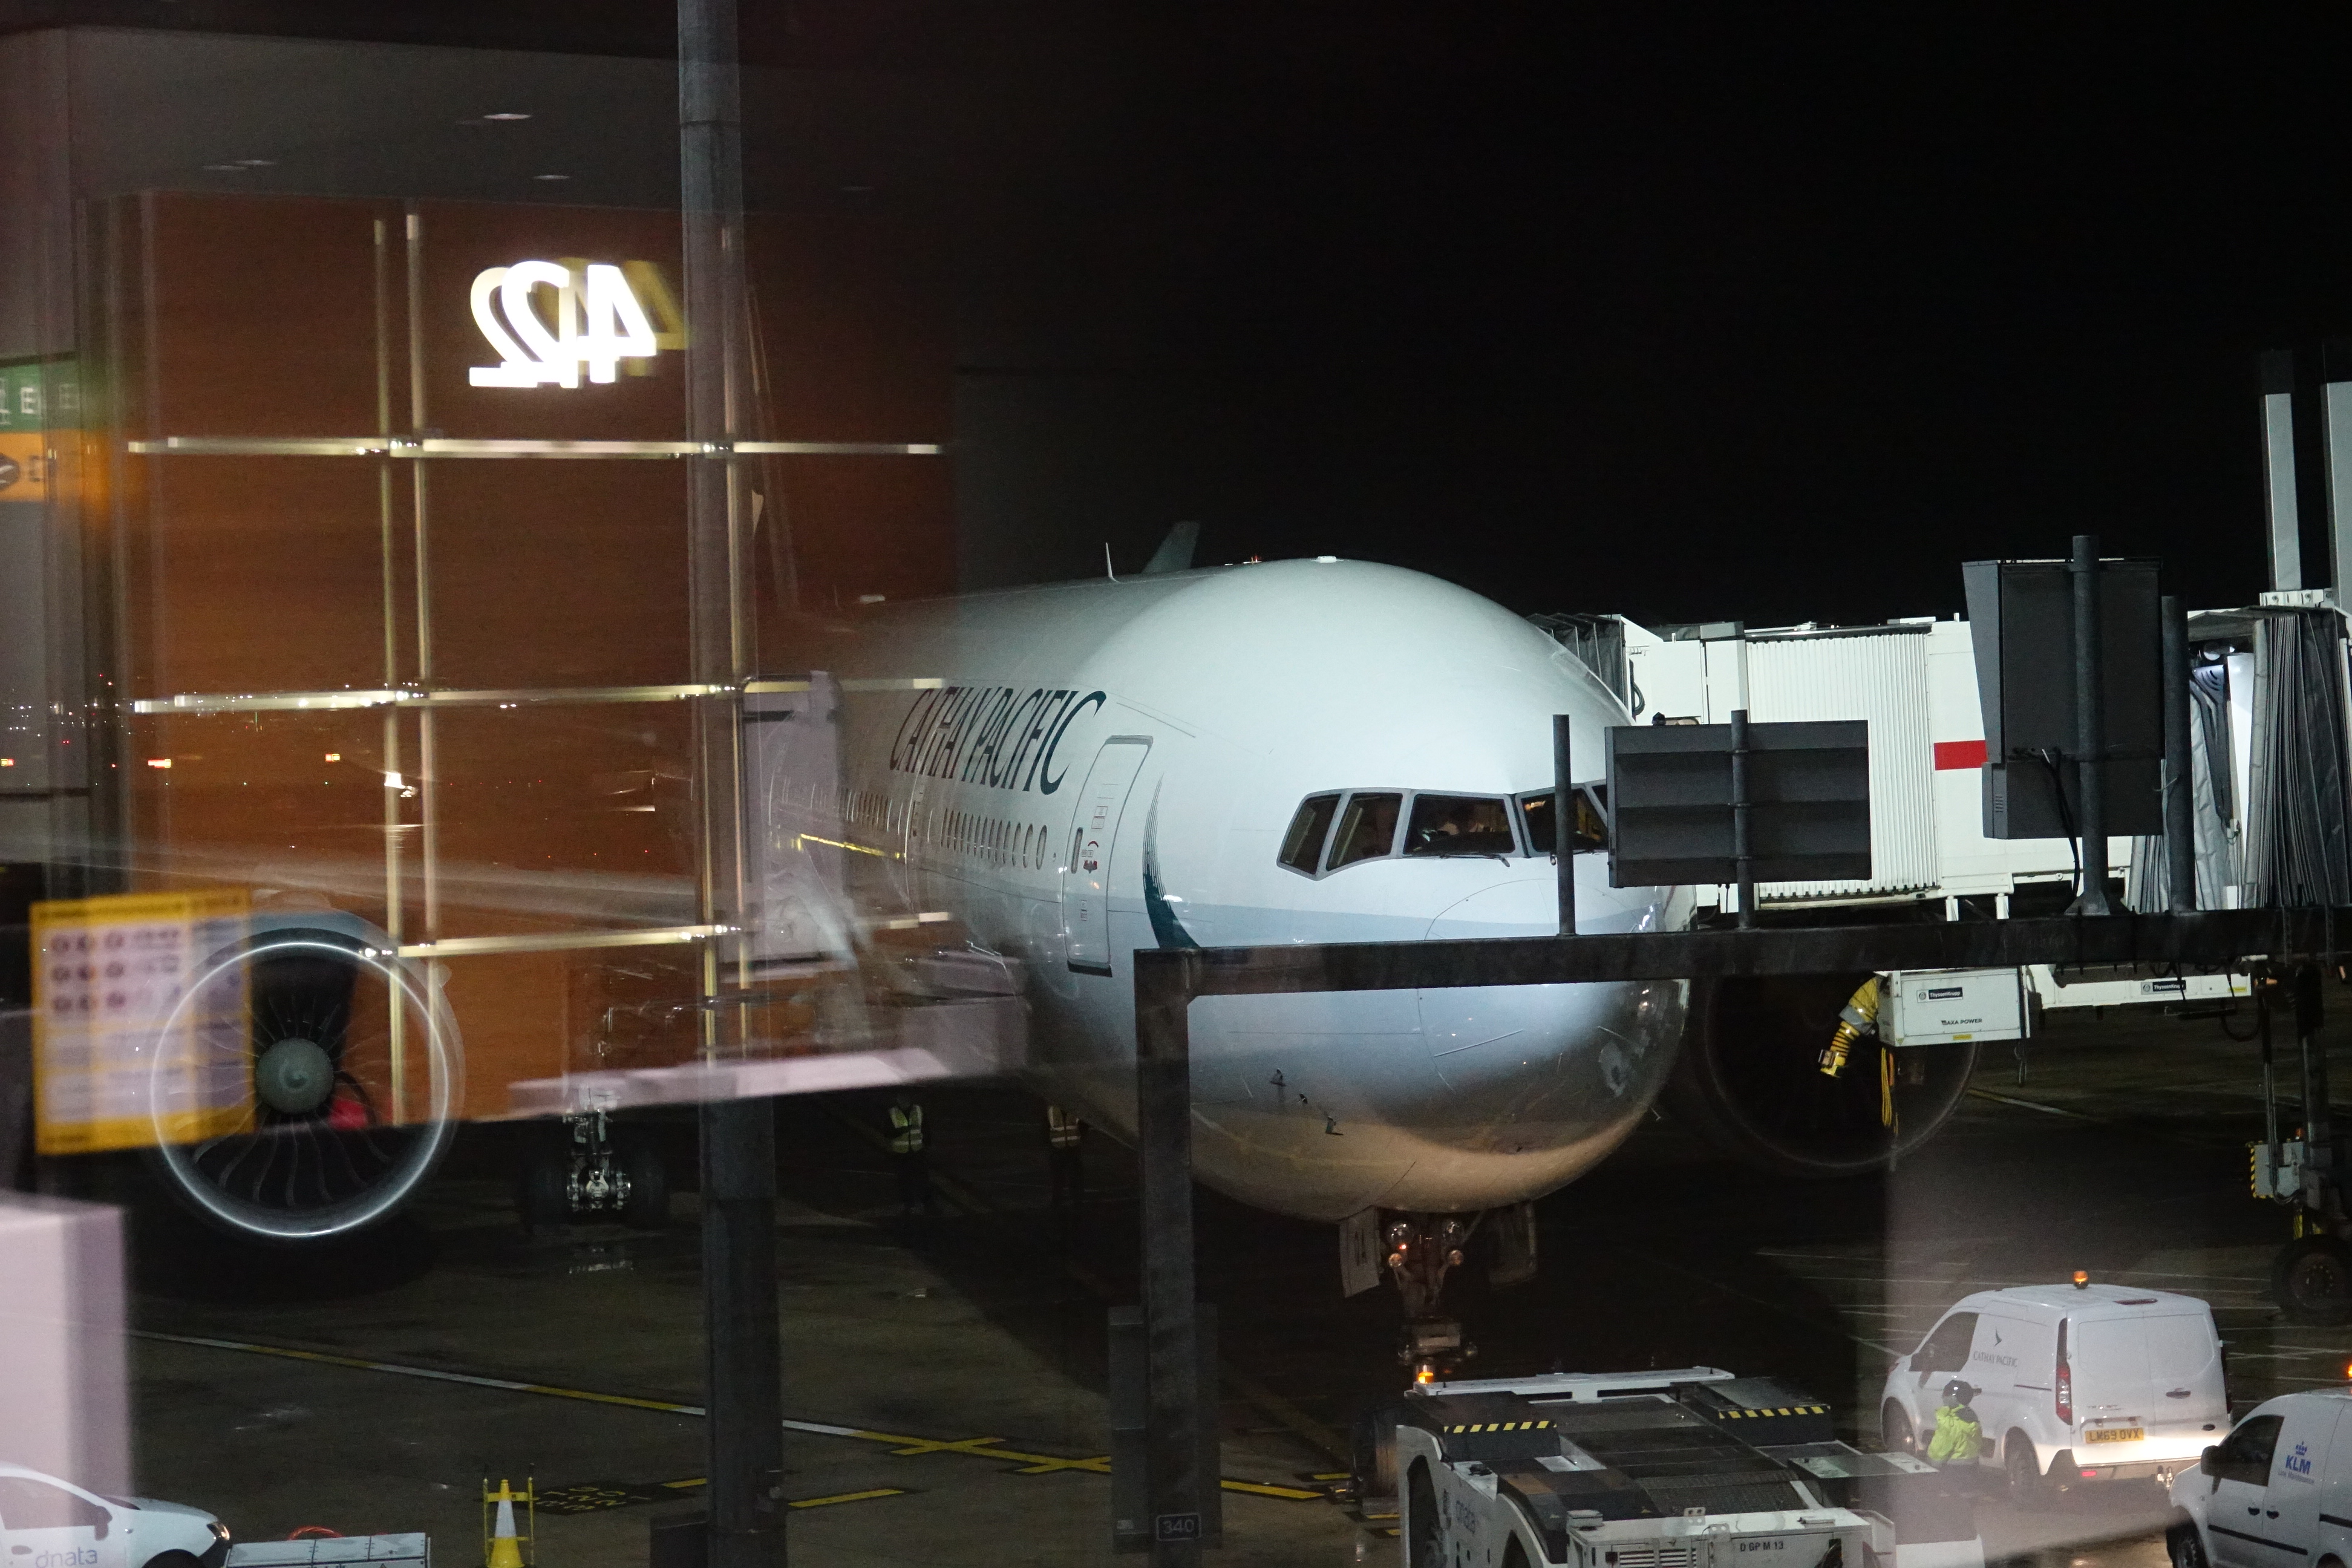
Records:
x=1294, y=752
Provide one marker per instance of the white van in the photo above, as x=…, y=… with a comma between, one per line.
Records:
x=2276, y=1491
x=2076, y=1384
x=48, y=1523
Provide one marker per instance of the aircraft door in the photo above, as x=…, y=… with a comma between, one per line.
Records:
x=2234, y=1509
x=2291, y=1502
x=1094, y=834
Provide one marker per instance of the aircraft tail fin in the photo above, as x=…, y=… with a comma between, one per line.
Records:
x=1175, y=552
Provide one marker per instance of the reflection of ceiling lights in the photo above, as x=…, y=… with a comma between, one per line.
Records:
x=550, y=176
x=507, y=114
x=241, y=165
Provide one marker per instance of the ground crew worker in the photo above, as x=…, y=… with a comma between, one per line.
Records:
x=908, y=1154
x=1958, y=1438
x=1066, y=1156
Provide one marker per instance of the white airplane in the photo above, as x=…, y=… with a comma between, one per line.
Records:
x=1289, y=752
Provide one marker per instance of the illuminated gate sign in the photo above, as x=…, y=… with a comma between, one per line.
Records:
x=598, y=322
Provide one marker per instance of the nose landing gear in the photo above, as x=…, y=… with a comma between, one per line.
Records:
x=1422, y=1248
x=594, y=1168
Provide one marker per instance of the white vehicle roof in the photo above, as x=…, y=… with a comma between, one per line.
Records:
x=2048, y=1303
x=1581, y=1385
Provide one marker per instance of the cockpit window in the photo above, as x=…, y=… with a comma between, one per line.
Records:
x=1591, y=819
x=1367, y=829
x=1459, y=825
x=1302, y=846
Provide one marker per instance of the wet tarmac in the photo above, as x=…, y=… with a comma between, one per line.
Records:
x=945, y=1376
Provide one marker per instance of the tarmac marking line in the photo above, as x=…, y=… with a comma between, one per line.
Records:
x=867, y=1495
x=977, y=1448
x=600, y=1496
x=932, y=1445
x=2031, y=1105
x=1302, y=1425
x=1100, y=1464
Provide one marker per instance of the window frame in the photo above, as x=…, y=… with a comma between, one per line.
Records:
x=2230, y=1467
x=1339, y=798
x=1340, y=815
x=1920, y=1358
x=1406, y=799
x=96, y=1516
x=1590, y=789
x=1510, y=818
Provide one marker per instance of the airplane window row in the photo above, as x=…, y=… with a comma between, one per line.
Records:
x=992, y=839
x=1348, y=826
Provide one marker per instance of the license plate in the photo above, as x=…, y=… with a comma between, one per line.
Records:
x=2114, y=1435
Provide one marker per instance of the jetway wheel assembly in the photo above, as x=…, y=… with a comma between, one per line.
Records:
x=2312, y=1281
x=297, y=1024
x=1748, y=1079
x=588, y=1166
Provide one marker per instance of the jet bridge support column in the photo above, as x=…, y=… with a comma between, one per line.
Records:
x=745, y=1397
x=1175, y=1487
x=2090, y=732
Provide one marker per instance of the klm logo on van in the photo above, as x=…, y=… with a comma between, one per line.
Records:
x=2296, y=1466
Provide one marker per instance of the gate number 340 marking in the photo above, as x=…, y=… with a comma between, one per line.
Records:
x=598, y=322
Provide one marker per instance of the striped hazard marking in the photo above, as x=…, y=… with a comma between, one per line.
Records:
x=902, y=1444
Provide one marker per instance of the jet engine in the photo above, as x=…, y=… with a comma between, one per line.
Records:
x=1748, y=1079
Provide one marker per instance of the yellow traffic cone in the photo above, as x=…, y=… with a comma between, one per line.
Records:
x=505, y=1547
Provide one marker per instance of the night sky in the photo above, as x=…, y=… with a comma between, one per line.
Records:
x=1772, y=317
x=1769, y=313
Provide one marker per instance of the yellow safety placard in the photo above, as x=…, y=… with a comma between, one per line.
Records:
x=138, y=1032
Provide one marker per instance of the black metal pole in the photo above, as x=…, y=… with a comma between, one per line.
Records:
x=2180, y=787
x=1563, y=820
x=745, y=1397
x=1743, y=852
x=2318, y=1126
x=2090, y=730
x=744, y=1355
x=1164, y=1126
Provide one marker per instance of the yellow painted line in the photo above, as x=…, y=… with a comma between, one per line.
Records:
x=934, y=1445
x=1100, y=1464
x=1260, y=1489
x=901, y=1444
x=846, y=1497
x=1305, y=1426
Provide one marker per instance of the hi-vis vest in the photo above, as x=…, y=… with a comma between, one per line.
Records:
x=1061, y=1128
x=907, y=1130
x=1958, y=1437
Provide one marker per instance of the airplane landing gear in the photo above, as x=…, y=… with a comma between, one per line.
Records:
x=1421, y=1251
x=593, y=1168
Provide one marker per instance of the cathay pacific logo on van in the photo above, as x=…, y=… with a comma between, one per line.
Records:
x=1991, y=1357
x=997, y=735
x=2296, y=1466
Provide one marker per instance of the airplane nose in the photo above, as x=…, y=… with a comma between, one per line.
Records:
x=1545, y=1062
